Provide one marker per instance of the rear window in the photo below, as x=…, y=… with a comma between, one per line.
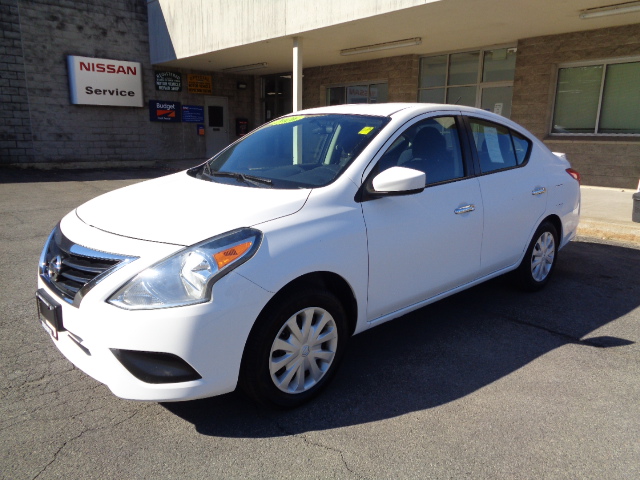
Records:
x=498, y=147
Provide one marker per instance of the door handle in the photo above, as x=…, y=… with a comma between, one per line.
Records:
x=465, y=209
x=539, y=191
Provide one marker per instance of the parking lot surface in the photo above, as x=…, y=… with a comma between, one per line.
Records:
x=490, y=383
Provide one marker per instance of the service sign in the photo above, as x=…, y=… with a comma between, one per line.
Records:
x=100, y=81
x=163, y=111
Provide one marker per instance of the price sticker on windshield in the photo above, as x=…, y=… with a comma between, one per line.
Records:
x=281, y=121
x=366, y=131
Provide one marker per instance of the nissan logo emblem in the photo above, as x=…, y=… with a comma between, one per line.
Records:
x=54, y=267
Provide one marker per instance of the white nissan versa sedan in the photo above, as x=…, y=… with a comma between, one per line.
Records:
x=256, y=267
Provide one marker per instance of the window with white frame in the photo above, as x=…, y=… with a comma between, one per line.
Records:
x=479, y=78
x=598, y=98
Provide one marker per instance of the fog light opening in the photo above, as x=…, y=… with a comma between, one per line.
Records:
x=156, y=367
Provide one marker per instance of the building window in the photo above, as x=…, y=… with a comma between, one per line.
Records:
x=361, y=93
x=598, y=99
x=481, y=78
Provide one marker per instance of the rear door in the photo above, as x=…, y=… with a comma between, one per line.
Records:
x=514, y=191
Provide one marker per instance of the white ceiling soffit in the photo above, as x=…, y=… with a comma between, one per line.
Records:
x=442, y=25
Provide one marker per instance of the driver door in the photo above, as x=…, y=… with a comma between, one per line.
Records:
x=424, y=244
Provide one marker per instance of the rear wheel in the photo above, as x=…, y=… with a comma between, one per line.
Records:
x=294, y=349
x=540, y=258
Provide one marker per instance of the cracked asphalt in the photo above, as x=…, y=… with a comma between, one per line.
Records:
x=491, y=383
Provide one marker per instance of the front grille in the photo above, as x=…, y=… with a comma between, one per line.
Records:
x=71, y=270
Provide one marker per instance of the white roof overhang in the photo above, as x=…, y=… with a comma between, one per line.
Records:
x=214, y=36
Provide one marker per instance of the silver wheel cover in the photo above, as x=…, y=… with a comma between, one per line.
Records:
x=542, y=256
x=303, y=350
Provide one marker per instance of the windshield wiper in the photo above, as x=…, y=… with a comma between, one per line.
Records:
x=248, y=179
x=264, y=181
x=204, y=171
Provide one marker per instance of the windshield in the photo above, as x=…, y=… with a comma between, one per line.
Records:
x=300, y=151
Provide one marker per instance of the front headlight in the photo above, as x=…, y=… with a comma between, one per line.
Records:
x=187, y=277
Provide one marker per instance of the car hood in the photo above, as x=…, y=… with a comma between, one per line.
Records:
x=183, y=210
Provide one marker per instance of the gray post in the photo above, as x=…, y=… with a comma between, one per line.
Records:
x=297, y=74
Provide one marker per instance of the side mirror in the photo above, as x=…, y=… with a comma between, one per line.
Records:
x=398, y=181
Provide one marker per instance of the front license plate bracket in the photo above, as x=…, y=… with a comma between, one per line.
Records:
x=49, y=312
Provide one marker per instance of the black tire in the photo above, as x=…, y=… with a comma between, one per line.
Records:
x=310, y=358
x=540, y=259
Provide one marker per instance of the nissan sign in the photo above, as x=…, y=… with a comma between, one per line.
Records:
x=99, y=81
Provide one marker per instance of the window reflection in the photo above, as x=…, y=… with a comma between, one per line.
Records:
x=363, y=93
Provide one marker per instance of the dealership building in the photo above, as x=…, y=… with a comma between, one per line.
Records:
x=95, y=83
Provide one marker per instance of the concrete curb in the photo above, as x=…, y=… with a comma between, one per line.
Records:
x=606, y=215
x=609, y=231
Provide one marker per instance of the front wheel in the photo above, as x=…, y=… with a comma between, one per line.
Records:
x=540, y=258
x=294, y=349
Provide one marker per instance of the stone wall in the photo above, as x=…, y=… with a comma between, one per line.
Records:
x=401, y=73
x=40, y=125
x=15, y=127
x=604, y=161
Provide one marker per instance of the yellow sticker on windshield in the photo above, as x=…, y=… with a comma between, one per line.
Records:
x=366, y=131
x=282, y=120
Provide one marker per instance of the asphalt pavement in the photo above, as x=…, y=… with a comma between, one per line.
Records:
x=490, y=383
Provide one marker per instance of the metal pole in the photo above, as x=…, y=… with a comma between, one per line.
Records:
x=297, y=74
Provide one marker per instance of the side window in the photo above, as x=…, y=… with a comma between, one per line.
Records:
x=431, y=146
x=521, y=145
x=497, y=146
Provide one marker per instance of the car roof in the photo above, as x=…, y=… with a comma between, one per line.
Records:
x=377, y=109
x=405, y=111
x=389, y=109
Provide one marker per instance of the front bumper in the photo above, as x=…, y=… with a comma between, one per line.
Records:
x=209, y=337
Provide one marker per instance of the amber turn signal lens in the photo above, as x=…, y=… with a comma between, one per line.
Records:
x=231, y=254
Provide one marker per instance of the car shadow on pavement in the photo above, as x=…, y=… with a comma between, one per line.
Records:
x=448, y=350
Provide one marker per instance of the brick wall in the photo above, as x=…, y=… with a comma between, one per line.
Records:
x=401, y=73
x=39, y=124
x=15, y=128
x=606, y=161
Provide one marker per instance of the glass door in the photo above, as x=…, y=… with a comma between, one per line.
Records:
x=277, y=96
